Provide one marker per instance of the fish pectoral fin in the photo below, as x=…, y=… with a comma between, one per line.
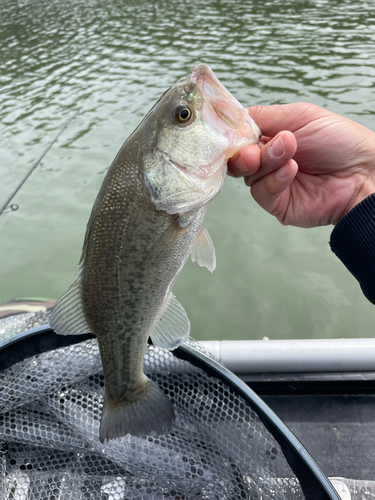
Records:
x=203, y=252
x=68, y=317
x=173, y=326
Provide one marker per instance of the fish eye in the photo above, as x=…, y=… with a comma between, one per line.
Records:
x=182, y=113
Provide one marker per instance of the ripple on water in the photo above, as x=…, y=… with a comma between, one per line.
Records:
x=108, y=62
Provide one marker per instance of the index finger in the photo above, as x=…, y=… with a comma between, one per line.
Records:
x=245, y=162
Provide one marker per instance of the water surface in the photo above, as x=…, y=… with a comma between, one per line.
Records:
x=105, y=63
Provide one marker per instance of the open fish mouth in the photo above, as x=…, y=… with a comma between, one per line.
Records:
x=224, y=104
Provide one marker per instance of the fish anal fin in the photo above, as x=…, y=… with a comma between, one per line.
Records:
x=203, y=252
x=68, y=316
x=151, y=414
x=173, y=326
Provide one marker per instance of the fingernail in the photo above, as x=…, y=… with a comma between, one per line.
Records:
x=282, y=172
x=277, y=148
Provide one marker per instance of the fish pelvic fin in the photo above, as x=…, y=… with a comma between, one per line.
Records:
x=68, y=315
x=203, y=251
x=151, y=414
x=173, y=326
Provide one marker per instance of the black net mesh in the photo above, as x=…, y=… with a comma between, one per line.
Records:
x=50, y=407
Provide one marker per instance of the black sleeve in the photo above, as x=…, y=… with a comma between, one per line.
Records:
x=353, y=241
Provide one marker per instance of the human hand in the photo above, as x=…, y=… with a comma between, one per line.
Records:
x=333, y=167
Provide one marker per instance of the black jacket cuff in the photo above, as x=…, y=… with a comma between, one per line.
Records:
x=353, y=241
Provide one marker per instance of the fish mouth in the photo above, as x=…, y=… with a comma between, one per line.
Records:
x=226, y=107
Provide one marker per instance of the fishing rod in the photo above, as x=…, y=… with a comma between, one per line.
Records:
x=15, y=207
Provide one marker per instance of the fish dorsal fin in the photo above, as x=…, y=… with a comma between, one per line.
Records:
x=173, y=326
x=68, y=316
x=203, y=252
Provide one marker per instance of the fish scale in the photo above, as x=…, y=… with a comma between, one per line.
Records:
x=146, y=221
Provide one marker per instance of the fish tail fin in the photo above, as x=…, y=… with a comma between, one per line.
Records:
x=151, y=413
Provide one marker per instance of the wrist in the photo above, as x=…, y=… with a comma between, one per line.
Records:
x=364, y=176
x=366, y=190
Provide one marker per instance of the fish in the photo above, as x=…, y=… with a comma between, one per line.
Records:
x=146, y=220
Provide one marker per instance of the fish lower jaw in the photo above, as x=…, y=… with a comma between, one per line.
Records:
x=238, y=144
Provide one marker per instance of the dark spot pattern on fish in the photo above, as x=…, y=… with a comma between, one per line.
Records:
x=145, y=220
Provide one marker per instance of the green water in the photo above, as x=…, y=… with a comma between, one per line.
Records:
x=108, y=61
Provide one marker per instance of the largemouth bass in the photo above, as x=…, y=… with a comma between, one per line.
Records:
x=146, y=220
